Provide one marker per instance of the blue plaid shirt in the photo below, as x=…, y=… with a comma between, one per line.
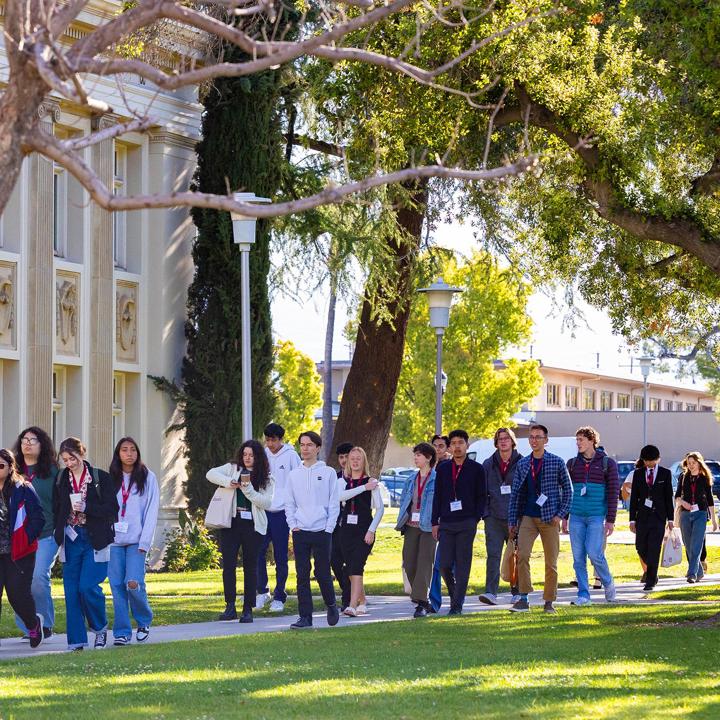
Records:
x=554, y=483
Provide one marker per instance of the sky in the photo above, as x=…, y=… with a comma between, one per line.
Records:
x=590, y=346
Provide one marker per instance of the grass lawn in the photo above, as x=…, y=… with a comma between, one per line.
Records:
x=198, y=596
x=600, y=662
x=705, y=593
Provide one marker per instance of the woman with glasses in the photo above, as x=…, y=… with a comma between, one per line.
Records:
x=37, y=462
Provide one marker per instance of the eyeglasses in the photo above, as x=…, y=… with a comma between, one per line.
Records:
x=536, y=437
x=29, y=441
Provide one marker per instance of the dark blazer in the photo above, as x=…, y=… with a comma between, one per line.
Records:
x=24, y=492
x=661, y=493
x=470, y=490
x=101, y=507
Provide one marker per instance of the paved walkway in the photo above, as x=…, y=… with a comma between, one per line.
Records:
x=382, y=608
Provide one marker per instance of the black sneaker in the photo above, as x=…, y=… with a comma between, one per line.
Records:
x=549, y=608
x=230, y=613
x=520, y=606
x=573, y=583
x=420, y=611
x=246, y=617
x=142, y=634
x=333, y=615
x=302, y=623
x=36, y=634
x=100, y=640
x=121, y=640
x=47, y=633
x=431, y=610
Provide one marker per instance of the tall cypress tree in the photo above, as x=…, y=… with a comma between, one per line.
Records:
x=241, y=149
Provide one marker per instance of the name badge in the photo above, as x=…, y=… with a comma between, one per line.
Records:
x=352, y=519
x=455, y=505
x=505, y=489
x=648, y=503
x=70, y=532
x=583, y=490
x=246, y=515
x=542, y=499
x=694, y=508
x=121, y=527
x=415, y=517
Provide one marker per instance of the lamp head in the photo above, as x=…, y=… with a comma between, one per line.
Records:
x=440, y=296
x=244, y=226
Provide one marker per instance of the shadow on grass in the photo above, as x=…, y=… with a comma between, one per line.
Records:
x=603, y=663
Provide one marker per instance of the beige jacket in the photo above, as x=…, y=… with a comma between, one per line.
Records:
x=260, y=500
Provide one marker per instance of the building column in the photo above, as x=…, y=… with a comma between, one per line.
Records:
x=40, y=281
x=102, y=325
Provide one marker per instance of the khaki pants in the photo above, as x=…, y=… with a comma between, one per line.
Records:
x=529, y=529
x=418, y=557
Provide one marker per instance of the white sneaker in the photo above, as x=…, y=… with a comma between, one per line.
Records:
x=581, y=601
x=277, y=606
x=262, y=600
x=488, y=599
x=610, y=593
x=514, y=599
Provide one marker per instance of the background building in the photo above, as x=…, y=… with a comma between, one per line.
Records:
x=92, y=305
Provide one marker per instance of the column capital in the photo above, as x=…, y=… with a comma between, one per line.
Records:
x=49, y=110
x=101, y=122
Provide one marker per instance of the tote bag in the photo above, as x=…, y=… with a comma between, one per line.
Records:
x=672, y=549
x=508, y=566
x=220, y=510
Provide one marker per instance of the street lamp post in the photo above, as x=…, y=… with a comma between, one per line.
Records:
x=645, y=365
x=244, y=237
x=440, y=296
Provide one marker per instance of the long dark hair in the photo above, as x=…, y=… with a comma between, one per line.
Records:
x=261, y=468
x=139, y=473
x=47, y=460
x=13, y=476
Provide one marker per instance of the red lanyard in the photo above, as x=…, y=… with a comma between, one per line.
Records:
x=353, y=484
x=455, y=473
x=693, y=485
x=31, y=478
x=421, y=487
x=125, y=495
x=78, y=488
x=504, y=465
x=536, y=473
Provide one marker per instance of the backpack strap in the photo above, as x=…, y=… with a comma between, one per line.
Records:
x=96, y=480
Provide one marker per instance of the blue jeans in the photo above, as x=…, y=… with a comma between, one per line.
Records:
x=278, y=533
x=45, y=557
x=84, y=599
x=127, y=565
x=435, y=594
x=587, y=539
x=692, y=528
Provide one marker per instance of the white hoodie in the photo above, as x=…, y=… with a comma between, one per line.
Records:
x=311, y=498
x=281, y=463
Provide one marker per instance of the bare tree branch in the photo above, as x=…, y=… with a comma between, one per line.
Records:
x=60, y=20
x=137, y=125
x=700, y=345
x=52, y=148
x=709, y=183
x=326, y=148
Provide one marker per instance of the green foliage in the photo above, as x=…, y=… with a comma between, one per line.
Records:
x=299, y=391
x=485, y=321
x=190, y=546
x=241, y=149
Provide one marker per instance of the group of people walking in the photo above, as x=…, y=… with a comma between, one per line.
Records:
x=99, y=523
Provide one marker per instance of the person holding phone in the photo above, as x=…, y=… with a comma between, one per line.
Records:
x=250, y=477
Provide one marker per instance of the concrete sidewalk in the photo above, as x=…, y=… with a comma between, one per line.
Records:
x=381, y=609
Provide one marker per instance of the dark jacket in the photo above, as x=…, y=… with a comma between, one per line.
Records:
x=470, y=490
x=660, y=493
x=25, y=493
x=703, y=491
x=101, y=507
x=497, y=504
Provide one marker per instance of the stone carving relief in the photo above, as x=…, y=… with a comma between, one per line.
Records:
x=7, y=305
x=126, y=322
x=67, y=290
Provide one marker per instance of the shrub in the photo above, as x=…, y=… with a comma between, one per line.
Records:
x=190, y=546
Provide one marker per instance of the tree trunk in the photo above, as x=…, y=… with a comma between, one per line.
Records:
x=369, y=393
x=327, y=415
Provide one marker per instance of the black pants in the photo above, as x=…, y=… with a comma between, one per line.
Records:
x=456, y=549
x=338, y=568
x=16, y=578
x=649, y=534
x=317, y=545
x=240, y=534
